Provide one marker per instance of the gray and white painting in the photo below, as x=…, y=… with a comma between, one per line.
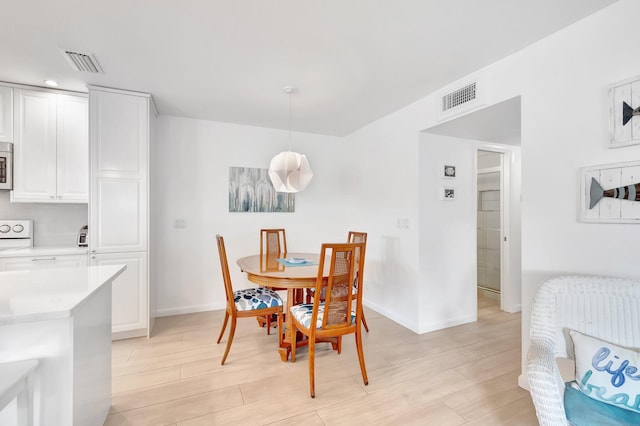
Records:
x=251, y=190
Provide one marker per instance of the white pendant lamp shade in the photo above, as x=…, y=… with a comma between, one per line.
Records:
x=290, y=172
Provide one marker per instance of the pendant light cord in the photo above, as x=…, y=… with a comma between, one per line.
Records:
x=290, y=119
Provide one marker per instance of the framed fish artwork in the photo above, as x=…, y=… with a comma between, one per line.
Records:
x=610, y=193
x=624, y=113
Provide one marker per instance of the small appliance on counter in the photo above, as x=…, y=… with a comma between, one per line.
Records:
x=82, y=236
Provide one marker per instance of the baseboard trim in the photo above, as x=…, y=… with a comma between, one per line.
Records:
x=187, y=310
x=391, y=315
x=129, y=334
x=523, y=382
x=447, y=323
x=513, y=309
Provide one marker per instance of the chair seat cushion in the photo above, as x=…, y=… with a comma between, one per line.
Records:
x=303, y=314
x=582, y=410
x=251, y=299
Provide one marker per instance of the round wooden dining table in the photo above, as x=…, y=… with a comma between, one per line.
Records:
x=266, y=271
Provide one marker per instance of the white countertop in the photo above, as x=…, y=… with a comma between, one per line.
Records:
x=45, y=294
x=44, y=251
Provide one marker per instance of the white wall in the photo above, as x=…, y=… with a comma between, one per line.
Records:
x=192, y=160
x=378, y=179
x=563, y=81
x=447, y=279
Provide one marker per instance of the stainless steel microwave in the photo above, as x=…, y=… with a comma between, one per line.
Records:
x=6, y=165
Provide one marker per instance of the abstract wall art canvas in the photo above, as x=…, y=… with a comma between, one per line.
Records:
x=251, y=190
x=624, y=113
x=610, y=193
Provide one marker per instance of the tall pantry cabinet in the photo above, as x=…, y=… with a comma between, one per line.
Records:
x=121, y=127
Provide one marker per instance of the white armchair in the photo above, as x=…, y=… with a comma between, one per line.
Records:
x=603, y=307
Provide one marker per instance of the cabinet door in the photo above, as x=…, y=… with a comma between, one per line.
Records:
x=6, y=114
x=129, y=306
x=72, y=147
x=119, y=126
x=34, y=172
x=43, y=262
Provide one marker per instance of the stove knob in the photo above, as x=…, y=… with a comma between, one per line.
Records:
x=5, y=228
x=18, y=228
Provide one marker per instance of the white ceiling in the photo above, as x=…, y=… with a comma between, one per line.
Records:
x=353, y=61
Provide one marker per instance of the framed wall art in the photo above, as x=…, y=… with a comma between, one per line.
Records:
x=251, y=190
x=448, y=193
x=624, y=113
x=448, y=171
x=610, y=193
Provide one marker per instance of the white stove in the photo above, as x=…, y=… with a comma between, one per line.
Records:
x=16, y=234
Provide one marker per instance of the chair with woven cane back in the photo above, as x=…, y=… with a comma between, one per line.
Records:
x=273, y=244
x=250, y=302
x=273, y=241
x=352, y=237
x=333, y=318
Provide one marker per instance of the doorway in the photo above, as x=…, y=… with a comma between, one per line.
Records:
x=495, y=129
x=489, y=221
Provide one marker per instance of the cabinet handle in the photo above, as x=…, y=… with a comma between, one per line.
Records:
x=38, y=259
x=93, y=257
x=93, y=251
x=51, y=196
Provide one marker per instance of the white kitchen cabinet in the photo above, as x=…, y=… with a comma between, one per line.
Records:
x=6, y=114
x=119, y=143
x=50, y=148
x=34, y=150
x=49, y=261
x=72, y=149
x=120, y=128
x=129, y=297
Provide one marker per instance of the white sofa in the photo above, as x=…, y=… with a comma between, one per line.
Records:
x=603, y=307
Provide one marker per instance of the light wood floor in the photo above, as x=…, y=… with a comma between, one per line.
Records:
x=465, y=375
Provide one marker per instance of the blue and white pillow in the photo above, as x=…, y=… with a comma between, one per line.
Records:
x=607, y=372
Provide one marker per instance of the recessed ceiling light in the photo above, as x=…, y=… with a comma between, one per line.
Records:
x=51, y=83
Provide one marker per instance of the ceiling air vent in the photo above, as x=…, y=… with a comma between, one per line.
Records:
x=459, y=97
x=462, y=96
x=83, y=62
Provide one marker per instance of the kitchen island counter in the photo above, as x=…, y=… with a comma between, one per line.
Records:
x=38, y=295
x=62, y=317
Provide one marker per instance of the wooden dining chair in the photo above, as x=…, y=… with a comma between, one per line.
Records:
x=359, y=237
x=249, y=302
x=273, y=242
x=352, y=237
x=333, y=318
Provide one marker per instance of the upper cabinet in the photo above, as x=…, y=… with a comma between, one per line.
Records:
x=6, y=114
x=51, y=147
x=72, y=149
x=119, y=144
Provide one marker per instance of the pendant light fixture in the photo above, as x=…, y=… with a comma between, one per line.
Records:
x=290, y=171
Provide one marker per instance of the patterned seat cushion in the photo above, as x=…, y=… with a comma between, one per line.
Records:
x=251, y=299
x=303, y=314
